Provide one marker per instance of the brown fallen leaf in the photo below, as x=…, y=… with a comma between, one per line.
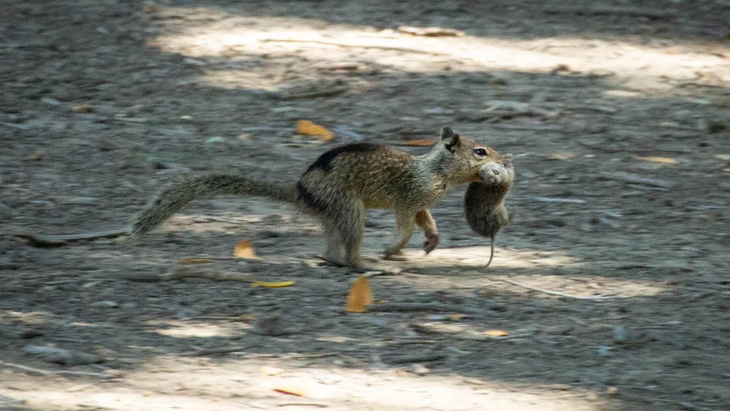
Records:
x=456, y=317
x=360, y=296
x=308, y=128
x=269, y=284
x=244, y=249
x=292, y=390
x=496, y=333
x=421, y=143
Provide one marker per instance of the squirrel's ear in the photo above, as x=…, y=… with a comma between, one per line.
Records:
x=449, y=138
x=446, y=133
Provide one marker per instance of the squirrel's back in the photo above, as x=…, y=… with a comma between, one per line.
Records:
x=376, y=174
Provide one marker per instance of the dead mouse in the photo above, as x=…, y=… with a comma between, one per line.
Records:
x=484, y=200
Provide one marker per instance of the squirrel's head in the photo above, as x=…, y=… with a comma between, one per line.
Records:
x=464, y=156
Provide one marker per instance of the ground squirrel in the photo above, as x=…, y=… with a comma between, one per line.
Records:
x=484, y=200
x=344, y=182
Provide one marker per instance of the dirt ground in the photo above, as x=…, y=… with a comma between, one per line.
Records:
x=617, y=114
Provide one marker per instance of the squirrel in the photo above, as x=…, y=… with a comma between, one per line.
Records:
x=342, y=183
x=484, y=200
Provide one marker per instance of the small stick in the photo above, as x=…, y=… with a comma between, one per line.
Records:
x=48, y=372
x=559, y=200
x=303, y=404
x=632, y=150
x=638, y=179
x=219, y=350
x=49, y=240
x=324, y=92
x=406, y=307
x=619, y=11
x=418, y=358
x=558, y=293
x=185, y=273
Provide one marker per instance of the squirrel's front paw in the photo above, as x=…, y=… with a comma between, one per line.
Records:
x=432, y=241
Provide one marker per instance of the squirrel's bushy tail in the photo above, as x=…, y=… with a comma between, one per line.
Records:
x=175, y=197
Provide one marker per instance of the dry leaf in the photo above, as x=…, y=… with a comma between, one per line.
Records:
x=456, y=317
x=360, y=296
x=310, y=129
x=269, y=370
x=82, y=108
x=663, y=160
x=195, y=260
x=421, y=143
x=244, y=249
x=496, y=333
x=292, y=390
x=268, y=284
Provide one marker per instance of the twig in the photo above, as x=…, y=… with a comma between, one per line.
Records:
x=296, y=356
x=407, y=307
x=207, y=259
x=382, y=272
x=322, y=92
x=632, y=150
x=184, y=273
x=638, y=179
x=49, y=372
x=219, y=350
x=303, y=404
x=619, y=11
x=410, y=359
x=529, y=127
x=517, y=108
x=363, y=46
x=48, y=240
x=558, y=293
x=430, y=31
x=559, y=200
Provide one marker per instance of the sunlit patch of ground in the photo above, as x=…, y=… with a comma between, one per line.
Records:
x=529, y=267
x=652, y=67
x=203, y=384
x=185, y=329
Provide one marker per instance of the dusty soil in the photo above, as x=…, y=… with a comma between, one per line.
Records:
x=617, y=115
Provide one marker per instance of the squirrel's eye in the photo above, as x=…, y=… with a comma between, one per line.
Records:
x=480, y=151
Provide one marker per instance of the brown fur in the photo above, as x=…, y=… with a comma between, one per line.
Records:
x=342, y=183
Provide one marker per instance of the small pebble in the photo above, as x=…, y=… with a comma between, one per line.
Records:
x=420, y=370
